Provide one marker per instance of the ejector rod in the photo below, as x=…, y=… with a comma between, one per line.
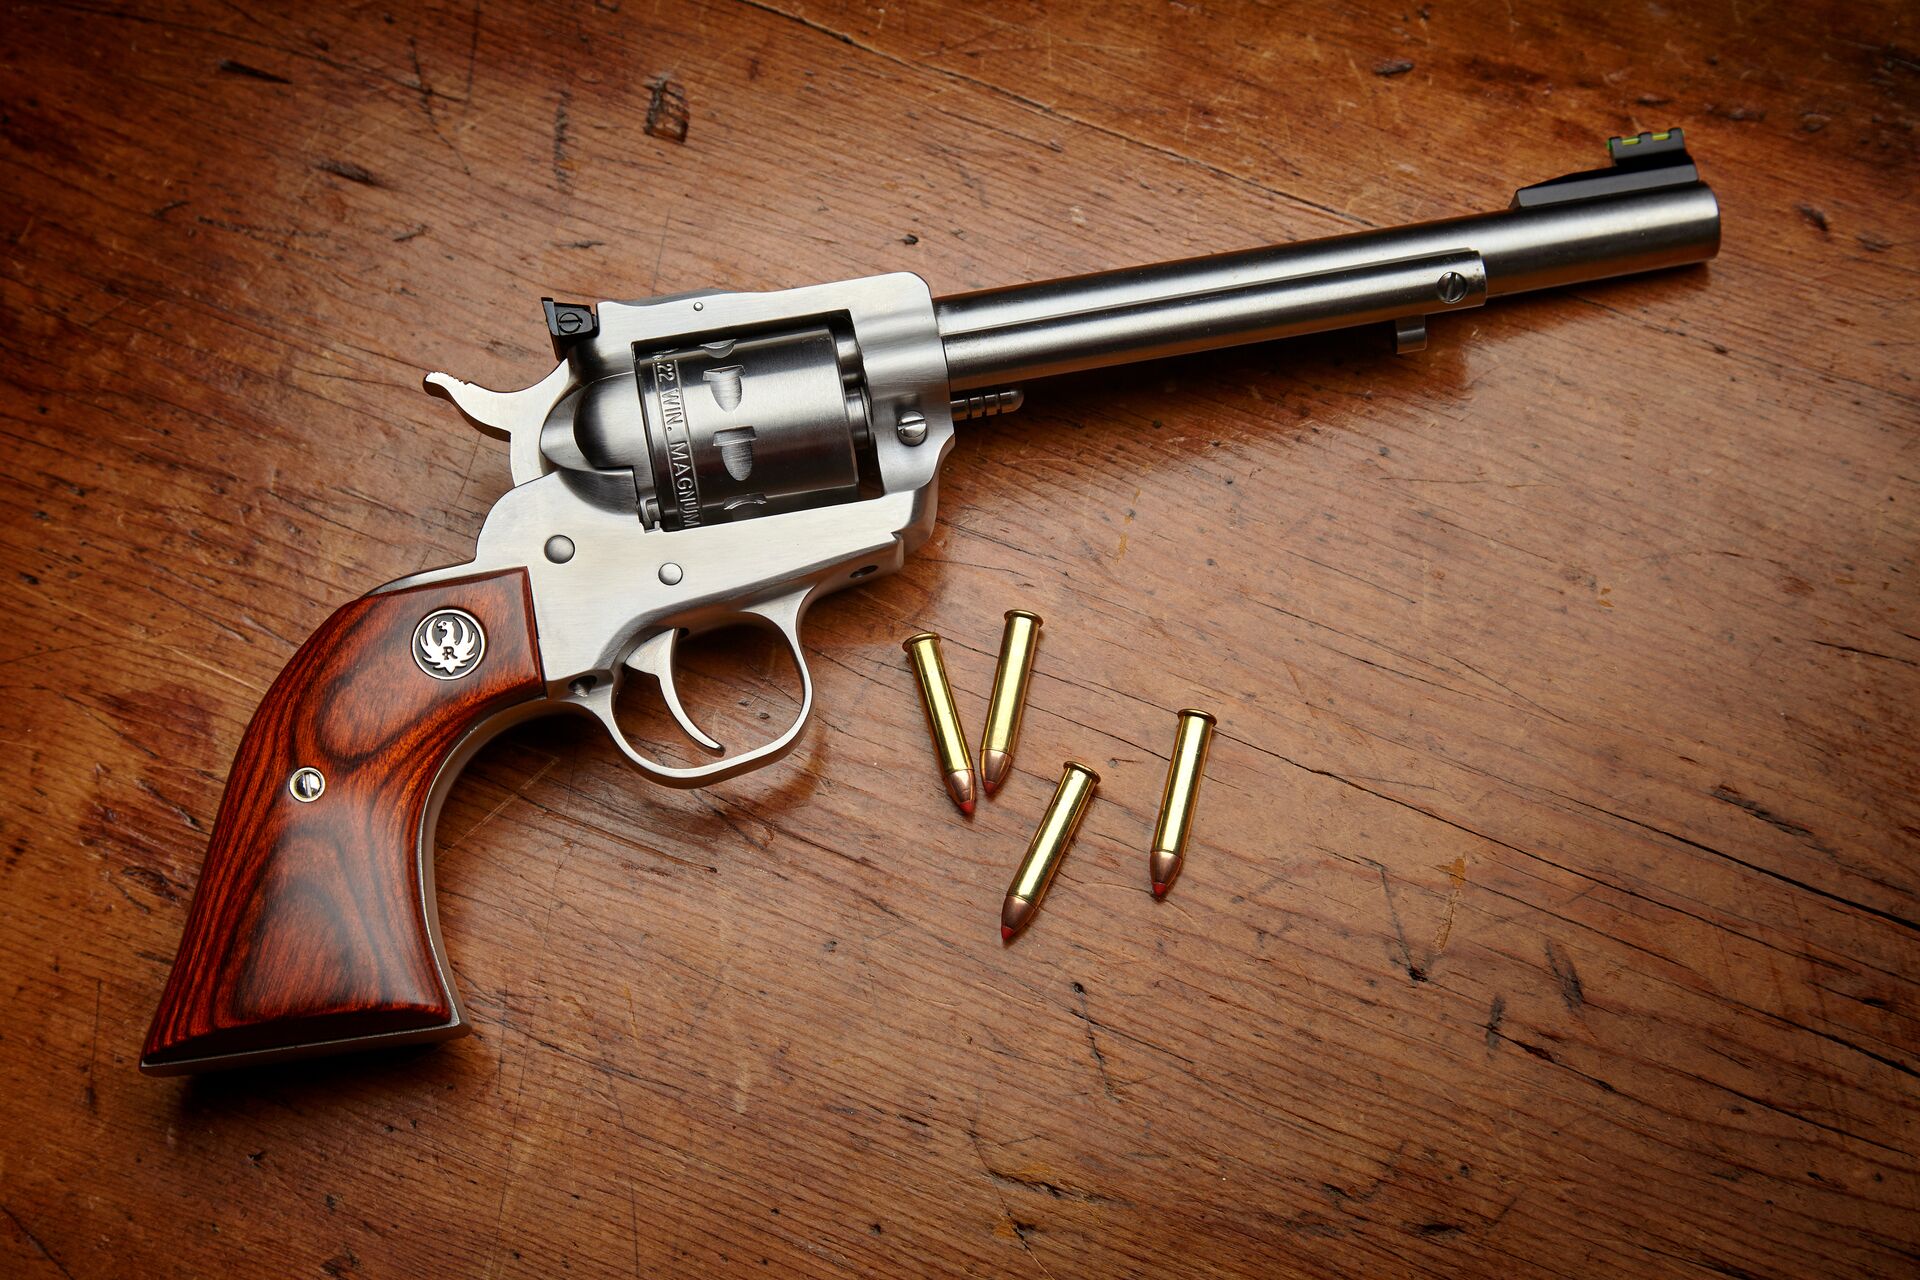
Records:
x=998, y=336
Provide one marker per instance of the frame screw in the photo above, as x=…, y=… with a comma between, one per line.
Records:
x=1452, y=287
x=670, y=574
x=912, y=427
x=306, y=784
x=559, y=548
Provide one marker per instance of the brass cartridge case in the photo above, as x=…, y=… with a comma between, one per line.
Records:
x=1178, y=800
x=943, y=718
x=1049, y=846
x=1009, y=701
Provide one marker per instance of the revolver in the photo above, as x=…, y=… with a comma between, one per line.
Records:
x=697, y=460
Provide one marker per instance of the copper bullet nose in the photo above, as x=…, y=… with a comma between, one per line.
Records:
x=1014, y=914
x=1163, y=868
x=960, y=787
x=994, y=768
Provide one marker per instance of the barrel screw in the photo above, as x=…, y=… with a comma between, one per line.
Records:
x=1453, y=287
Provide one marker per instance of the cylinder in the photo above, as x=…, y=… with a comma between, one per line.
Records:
x=1009, y=701
x=749, y=428
x=1179, y=799
x=1087, y=322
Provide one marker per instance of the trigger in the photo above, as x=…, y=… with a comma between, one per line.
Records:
x=655, y=658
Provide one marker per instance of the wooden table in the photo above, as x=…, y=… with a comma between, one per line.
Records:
x=1553, y=905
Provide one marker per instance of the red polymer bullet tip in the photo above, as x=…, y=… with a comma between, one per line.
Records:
x=1006, y=934
x=960, y=787
x=1159, y=889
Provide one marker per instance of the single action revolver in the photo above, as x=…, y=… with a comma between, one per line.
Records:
x=702, y=459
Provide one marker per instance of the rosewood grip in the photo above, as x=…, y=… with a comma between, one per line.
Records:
x=312, y=930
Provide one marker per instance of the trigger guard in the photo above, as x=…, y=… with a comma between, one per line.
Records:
x=784, y=615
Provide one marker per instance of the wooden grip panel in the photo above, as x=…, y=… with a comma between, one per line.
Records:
x=312, y=929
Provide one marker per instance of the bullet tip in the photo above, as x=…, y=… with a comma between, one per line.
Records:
x=960, y=787
x=1162, y=870
x=994, y=768
x=1006, y=934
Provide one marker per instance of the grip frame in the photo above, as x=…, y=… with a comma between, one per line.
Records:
x=314, y=929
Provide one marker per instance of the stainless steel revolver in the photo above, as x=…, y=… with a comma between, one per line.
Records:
x=705, y=458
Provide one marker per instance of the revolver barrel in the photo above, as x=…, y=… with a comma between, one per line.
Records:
x=1647, y=212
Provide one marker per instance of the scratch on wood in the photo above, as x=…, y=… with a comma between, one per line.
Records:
x=1099, y=1058
x=515, y=794
x=1727, y=795
x=1006, y=1212
x=1032, y=1179
x=93, y=1052
x=147, y=788
x=36, y=1242
x=156, y=882
x=1414, y=971
x=232, y=68
x=1568, y=978
x=1435, y=1230
x=420, y=86
x=1457, y=880
x=1866, y=653
x=562, y=158
x=348, y=170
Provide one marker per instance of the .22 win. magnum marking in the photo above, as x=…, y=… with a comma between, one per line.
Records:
x=673, y=423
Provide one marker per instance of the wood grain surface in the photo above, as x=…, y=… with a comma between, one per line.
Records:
x=309, y=926
x=1552, y=910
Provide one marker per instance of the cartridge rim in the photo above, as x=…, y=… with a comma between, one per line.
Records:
x=1198, y=714
x=1028, y=614
x=916, y=638
x=1074, y=766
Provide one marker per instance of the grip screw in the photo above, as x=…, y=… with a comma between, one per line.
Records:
x=306, y=784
